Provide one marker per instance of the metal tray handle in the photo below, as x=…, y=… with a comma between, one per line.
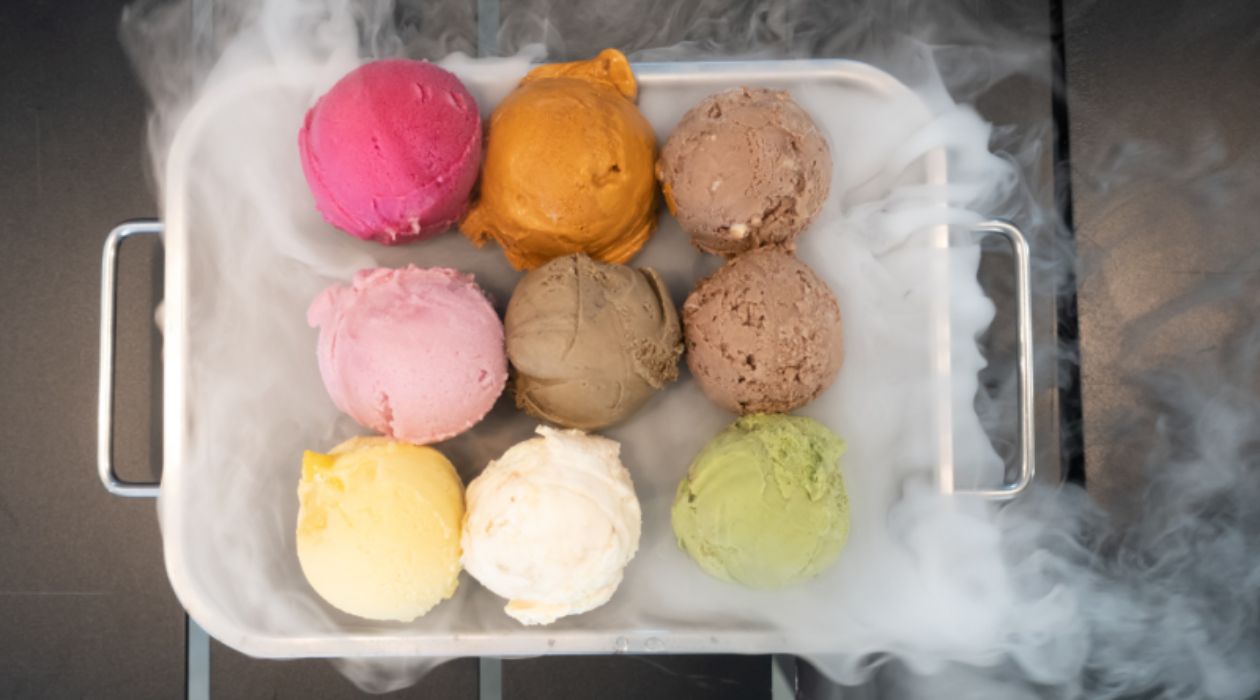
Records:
x=105, y=399
x=1024, y=366
x=105, y=406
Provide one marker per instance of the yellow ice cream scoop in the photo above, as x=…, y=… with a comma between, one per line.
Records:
x=568, y=166
x=379, y=527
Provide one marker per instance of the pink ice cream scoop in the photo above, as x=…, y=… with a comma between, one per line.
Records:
x=391, y=152
x=416, y=354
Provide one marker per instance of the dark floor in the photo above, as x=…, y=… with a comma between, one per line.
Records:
x=1163, y=99
x=1166, y=181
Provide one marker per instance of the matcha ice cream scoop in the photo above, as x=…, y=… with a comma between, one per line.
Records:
x=764, y=504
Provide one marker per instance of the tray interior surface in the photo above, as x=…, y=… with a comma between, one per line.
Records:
x=246, y=251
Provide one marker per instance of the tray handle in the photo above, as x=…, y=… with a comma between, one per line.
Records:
x=105, y=398
x=105, y=406
x=1024, y=366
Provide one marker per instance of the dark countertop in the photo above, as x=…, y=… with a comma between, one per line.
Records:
x=85, y=608
x=1166, y=174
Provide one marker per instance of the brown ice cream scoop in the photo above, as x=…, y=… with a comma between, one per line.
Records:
x=590, y=342
x=744, y=168
x=763, y=333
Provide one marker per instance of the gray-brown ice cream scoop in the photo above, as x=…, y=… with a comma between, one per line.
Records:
x=590, y=342
x=763, y=333
x=745, y=168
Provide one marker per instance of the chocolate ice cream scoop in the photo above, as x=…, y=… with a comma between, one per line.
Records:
x=590, y=342
x=745, y=168
x=763, y=333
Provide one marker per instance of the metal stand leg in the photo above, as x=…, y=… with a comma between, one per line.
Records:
x=487, y=28
x=197, y=668
x=490, y=679
x=783, y=677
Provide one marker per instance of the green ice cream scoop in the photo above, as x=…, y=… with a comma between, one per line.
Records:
x=763, y=504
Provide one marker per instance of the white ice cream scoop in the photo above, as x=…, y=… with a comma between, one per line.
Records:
x=552, y=524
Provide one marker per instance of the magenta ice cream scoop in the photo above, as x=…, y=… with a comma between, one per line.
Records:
x=415, y=354
x=391, y=152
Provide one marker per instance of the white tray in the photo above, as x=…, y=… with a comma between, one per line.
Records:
x=228, y=493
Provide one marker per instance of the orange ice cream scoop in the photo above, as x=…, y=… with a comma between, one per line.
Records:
x=568, y=166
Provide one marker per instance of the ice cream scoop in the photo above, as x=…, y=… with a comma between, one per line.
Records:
x=590, y=342
x=552, y=524
x=568, y=166
x=763, y=504
x=391, y=152
x=379, y=527
x=412, y=353
x=745, y=168
x=763, y=333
